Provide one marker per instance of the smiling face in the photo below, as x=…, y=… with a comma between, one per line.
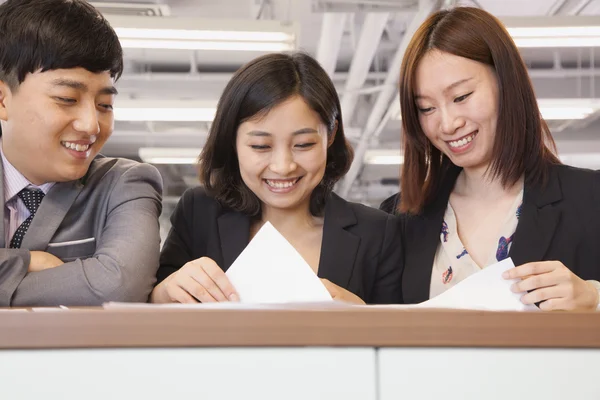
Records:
x=457, y=99
x=282, y=155
x=55, y=122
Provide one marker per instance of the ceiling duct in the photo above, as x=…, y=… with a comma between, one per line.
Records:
x=138, y=9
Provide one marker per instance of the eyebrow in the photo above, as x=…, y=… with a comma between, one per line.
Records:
x=298, y=132
x=450, y=87
x=82, y=86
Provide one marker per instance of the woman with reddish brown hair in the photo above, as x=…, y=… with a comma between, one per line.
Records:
x=480, y=180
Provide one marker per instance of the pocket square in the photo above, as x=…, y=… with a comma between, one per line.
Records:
x=72, y=242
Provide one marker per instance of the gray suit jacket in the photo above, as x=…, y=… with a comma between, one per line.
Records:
x=103, y=226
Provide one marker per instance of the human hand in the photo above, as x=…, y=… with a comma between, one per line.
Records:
x=341, y=294
x=41, y=260
x=198, y=280
x=554, y=285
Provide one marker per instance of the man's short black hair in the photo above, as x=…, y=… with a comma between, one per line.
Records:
x=55, y=34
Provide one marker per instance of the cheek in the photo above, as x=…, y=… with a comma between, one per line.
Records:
x=428, y=126
x=251, y=163
x=313, y=161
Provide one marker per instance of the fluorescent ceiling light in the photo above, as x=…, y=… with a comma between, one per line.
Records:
x=557, y=113
x=169, y=155
x=557, y=31
x=565, y=109
x=558, y=42
x=204, y=34
x=164, y=111
x=383, y=157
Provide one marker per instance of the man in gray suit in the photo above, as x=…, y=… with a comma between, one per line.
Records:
x=77, y=228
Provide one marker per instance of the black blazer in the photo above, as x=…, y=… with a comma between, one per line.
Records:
x=360, y=251
x=560, y=221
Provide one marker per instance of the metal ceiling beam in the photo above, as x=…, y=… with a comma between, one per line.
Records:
x=556, y=7
x=330, y=41
x=366, y=48
x=579, y=7
x=381, y=110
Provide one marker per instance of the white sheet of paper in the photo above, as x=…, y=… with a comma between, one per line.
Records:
x=485, y=290
x=229, y=305
x=270, y=270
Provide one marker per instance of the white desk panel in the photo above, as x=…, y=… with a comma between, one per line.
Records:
x=189, y=373
x=488, y=373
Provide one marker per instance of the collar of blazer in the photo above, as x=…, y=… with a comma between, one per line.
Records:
x=534, y=233
x=338, y=247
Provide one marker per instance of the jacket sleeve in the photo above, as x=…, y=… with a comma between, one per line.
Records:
x=124, y=264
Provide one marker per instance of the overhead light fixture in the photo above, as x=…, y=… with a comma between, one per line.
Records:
x=169, y=155
x=383, y=157
x=556, y=31
x=164, y=111
x=204, y=34
x=565, y=109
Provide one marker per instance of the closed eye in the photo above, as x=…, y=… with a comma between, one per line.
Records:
x=462, y=98
x=106, y=106
x=259, y=147
x=425, y=110
x=305, y=145
x=66, y=100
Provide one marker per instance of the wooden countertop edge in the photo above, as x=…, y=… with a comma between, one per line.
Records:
x=97, y=328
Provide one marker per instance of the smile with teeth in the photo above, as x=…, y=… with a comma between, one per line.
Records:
x=77, y=147
x=463, y=141
x=281, y=183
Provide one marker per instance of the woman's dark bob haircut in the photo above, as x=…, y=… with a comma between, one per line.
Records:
x=253, y=91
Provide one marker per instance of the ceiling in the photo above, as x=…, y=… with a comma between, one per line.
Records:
x=360, y=44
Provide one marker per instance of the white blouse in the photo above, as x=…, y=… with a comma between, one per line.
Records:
x=452, y=262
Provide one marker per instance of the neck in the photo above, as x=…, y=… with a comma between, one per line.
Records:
x=289, y=220
x=477, y=183
x=15, y=162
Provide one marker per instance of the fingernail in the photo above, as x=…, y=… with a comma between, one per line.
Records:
x=505, y=274
x=233, y=297
x=513, y=288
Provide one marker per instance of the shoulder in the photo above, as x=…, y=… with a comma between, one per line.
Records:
x=196, y=203
x=390, y=205
x=114, y=169
x=575, y=181
x=365, y=213
x=362, y=217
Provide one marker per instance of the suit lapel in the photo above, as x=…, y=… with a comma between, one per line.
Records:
x=538, y=221
x=51, y=214
x=422, y=237
x=338, y=247
x=234, y=235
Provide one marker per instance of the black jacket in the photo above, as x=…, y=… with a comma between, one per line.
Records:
x=560, y=221
x=360, y=250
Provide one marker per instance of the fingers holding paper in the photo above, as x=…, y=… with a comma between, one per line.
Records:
x=200, y=280
x=340, y=294
x=554, y=285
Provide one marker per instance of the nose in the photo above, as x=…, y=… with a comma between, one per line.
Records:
x=450, y=121
x=86, y=120
x=282, y=162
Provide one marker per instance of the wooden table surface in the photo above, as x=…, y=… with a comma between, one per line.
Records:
x=150, y=327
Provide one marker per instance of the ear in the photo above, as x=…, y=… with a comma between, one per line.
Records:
x=5, y=97
x=333, y=133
